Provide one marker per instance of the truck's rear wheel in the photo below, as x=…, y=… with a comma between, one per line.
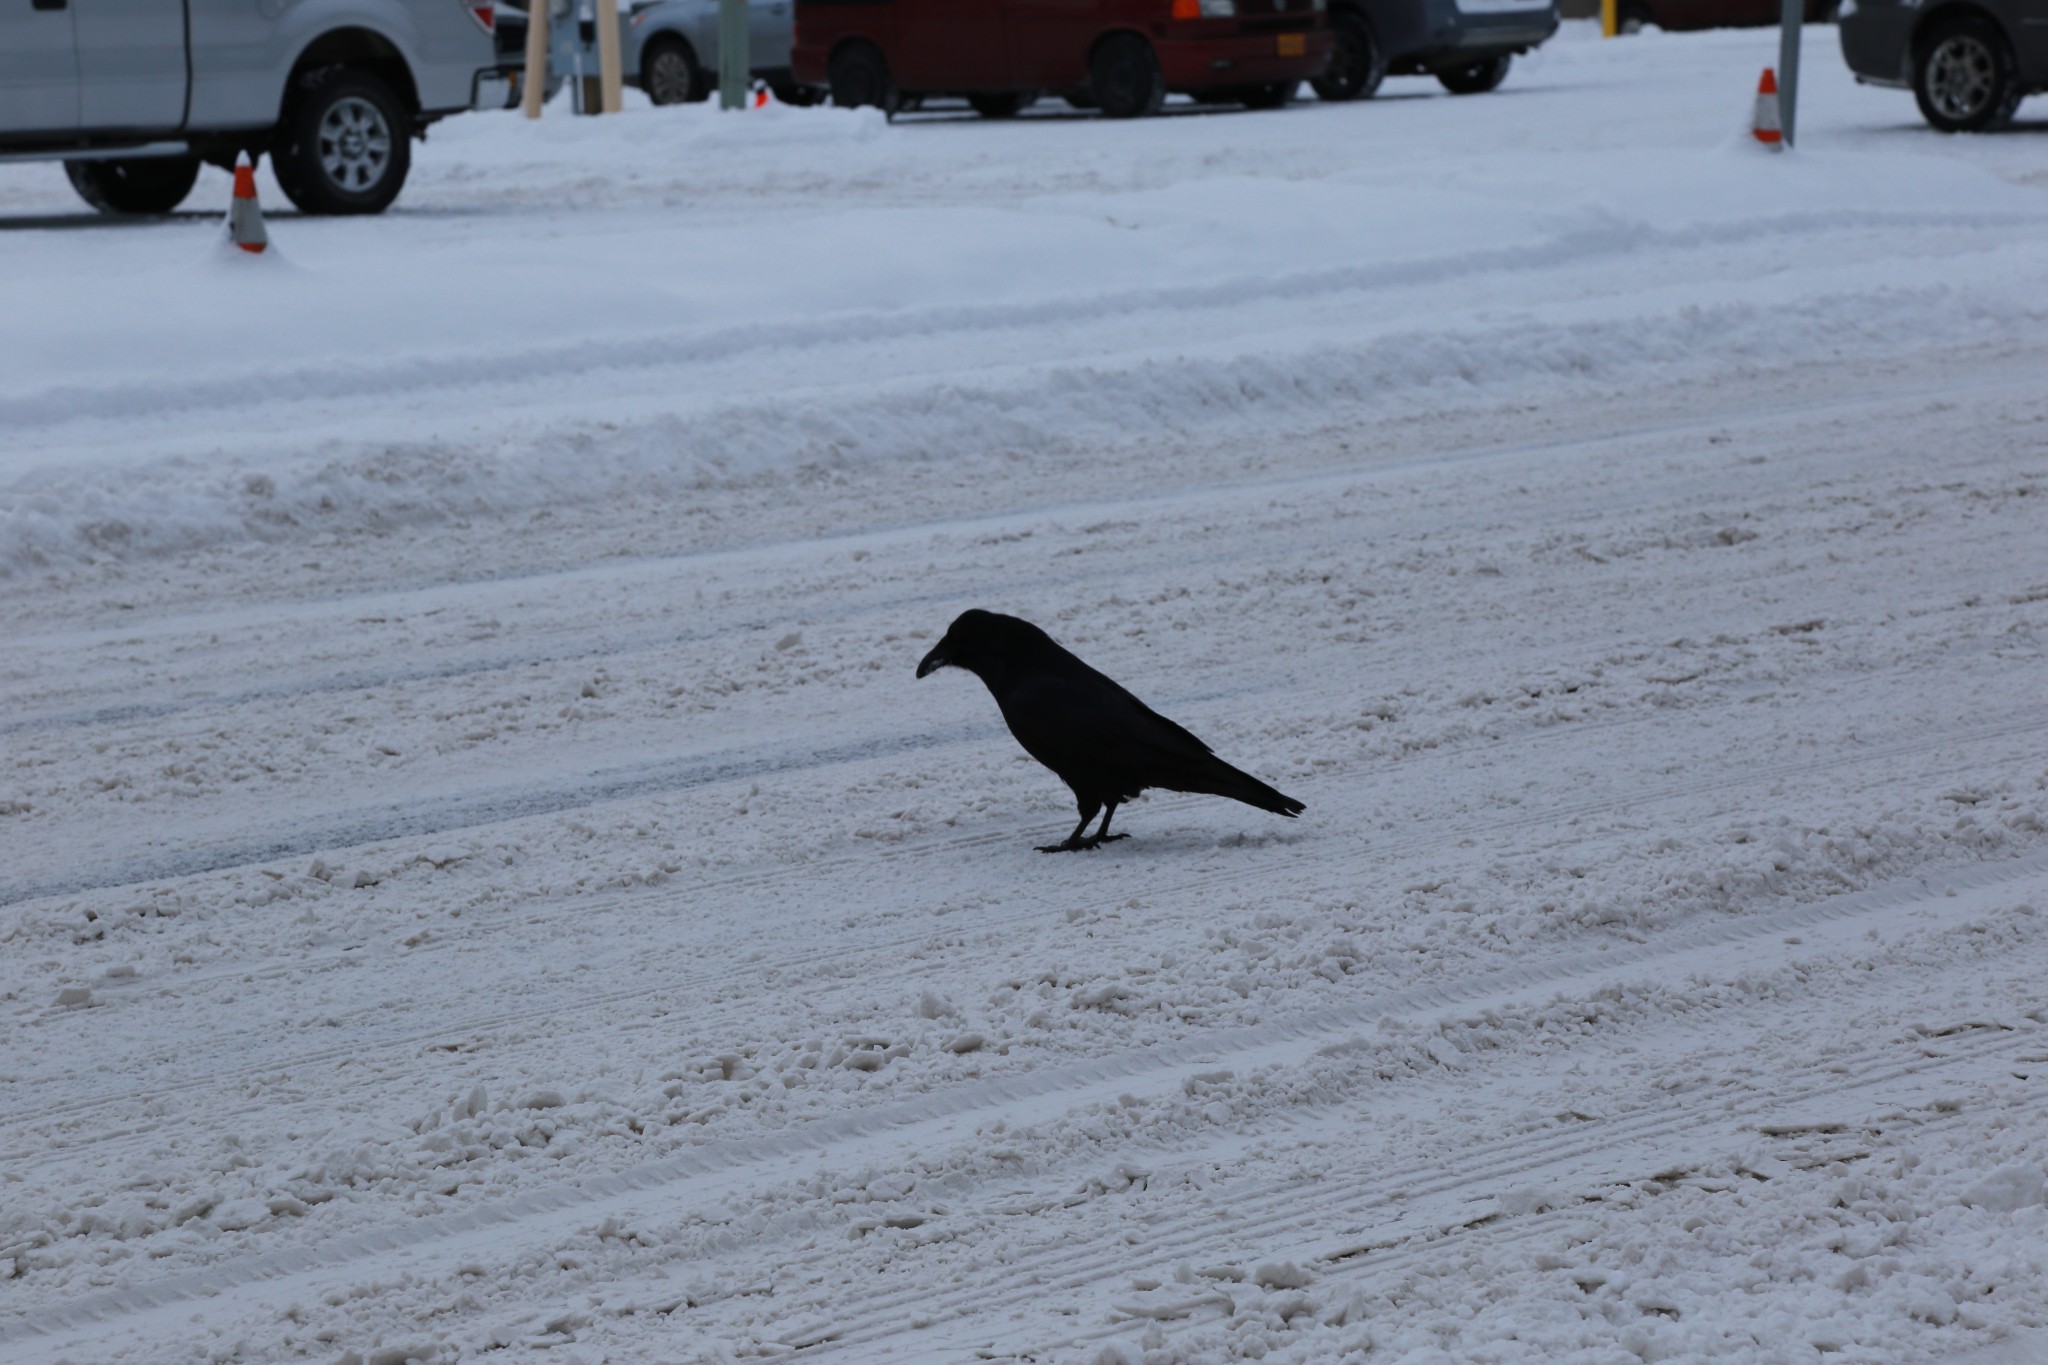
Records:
x=144, y=185
x=345, y=145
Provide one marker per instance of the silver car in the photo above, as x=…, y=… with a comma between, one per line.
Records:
x=132, y=95
x=671, y=49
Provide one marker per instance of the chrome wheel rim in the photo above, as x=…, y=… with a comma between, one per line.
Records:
x=1961, y=74
x=355, y=144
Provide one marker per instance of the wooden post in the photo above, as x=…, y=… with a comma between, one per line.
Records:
x=608, y=19
x=535, y=90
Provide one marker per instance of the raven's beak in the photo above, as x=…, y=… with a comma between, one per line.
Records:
x=934, y=661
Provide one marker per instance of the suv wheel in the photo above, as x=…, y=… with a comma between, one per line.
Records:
x=669, y=74
x=346, y=143
x=1125, y=77
x=1964, y=77
x=144, y=185
x=1357, y=66
x=860, y=76
x=1477, y=78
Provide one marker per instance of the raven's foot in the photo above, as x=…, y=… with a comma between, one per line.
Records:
x=1078, y=844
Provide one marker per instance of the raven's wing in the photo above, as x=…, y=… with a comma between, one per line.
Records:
x=1106, y=744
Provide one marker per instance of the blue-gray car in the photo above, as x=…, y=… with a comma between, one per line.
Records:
x=1968, y=62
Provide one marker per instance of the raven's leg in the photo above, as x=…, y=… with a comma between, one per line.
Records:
x=1102, y=835
x=1074, y=840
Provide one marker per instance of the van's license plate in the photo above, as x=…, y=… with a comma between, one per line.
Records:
x=1293, y=44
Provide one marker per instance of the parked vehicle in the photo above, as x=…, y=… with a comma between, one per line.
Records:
x=671, y=49
x=1967, y=63
x=132, y=95
x=1467, y=45
x=1120, y=56
x=1634, y=16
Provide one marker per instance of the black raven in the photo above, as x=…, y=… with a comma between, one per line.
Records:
x=1101, y=741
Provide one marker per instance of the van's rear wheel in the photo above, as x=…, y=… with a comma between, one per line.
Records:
x=860, y=77
x=1357, y=66
x=1125, y=77
x=143, y=185
x=345, y=145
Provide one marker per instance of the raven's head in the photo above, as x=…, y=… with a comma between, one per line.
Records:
x=984, y=643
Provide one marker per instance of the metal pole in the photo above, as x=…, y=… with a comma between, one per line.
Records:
x=733, y=64
x=1791, y=14
x=1610, y=19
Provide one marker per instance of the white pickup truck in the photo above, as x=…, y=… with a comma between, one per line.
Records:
x=132, y=95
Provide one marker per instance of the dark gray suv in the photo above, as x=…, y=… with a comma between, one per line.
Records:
x=1968, y=61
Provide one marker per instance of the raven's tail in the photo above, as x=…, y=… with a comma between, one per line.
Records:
x=1220, y=779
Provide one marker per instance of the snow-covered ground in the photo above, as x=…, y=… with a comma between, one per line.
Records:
x=478, y=879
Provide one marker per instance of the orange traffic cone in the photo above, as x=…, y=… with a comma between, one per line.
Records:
x=245, y=215
x=1765, y=125
x=761, y=97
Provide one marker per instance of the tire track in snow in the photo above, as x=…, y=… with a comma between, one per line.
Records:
x=1355, y=1258
x=423, y=818
x=920, y=1122
x=1283, y=1219
x=896, y=944
x=892, y=946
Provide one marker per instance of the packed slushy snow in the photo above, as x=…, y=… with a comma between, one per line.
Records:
x=479, y=880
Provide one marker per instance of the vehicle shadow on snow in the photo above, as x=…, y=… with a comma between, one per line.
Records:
x=1048, y=111
x=92, y=218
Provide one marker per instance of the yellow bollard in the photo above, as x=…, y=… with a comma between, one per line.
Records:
x=1610, y=18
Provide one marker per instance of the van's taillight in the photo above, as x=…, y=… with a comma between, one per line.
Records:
x=485, y=13
x=1204, y=9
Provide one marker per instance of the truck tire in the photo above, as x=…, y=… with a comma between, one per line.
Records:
x=144, y=185
x=1125, y=77
x=1478, y=78
x=669, y=72
x=1357, y=66
x=345, y=144
x=1963, y=76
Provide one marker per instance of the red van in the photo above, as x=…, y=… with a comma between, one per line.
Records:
x=1122, y=56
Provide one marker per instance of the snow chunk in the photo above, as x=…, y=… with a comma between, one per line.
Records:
x=2008, y=1190
x=1282, y=1275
